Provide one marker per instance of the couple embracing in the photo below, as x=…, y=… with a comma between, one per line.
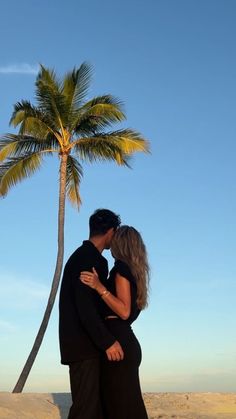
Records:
x=95, y=316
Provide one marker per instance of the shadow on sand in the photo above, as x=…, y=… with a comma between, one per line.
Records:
x=63, y=402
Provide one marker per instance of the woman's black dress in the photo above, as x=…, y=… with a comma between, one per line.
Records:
x=121, y=393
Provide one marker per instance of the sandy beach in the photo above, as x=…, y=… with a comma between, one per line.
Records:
x=159, y=405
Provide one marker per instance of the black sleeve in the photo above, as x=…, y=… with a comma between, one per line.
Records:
x=86, y=305
x=123, y=269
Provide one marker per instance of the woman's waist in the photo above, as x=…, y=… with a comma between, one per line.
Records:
x=112, y=317
x=122, y=331
x=116, y=325
x=116, y=319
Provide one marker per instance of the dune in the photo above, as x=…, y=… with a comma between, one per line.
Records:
x=159, y=405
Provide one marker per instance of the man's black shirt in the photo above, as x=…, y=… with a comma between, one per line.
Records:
x=82, y=332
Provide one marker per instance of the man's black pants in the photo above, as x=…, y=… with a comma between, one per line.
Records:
x=85, y=390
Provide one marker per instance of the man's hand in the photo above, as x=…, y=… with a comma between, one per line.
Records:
x=115, y=352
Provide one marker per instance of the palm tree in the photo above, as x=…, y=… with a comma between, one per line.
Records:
x=63, y=123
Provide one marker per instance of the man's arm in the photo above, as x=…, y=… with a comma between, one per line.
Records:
x=93, y=324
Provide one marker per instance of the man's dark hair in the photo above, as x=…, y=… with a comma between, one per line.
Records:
x=101, y=221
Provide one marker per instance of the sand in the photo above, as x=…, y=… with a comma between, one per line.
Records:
x=159, y=405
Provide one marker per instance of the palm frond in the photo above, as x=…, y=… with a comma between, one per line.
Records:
x=18, y=145
x=21, y=111
x=48, y=77
x=74, y=174
x=32, y=120
x=15, y=169
x=103, y=151
x=50, y=98
x=76, y=84
x=116, y=145
x=98, y=113
x=104, y=99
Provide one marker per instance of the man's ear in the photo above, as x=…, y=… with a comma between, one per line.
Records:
x=109, y=235
x=111, y=231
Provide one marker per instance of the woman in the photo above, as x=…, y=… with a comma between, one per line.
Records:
x=124, y=296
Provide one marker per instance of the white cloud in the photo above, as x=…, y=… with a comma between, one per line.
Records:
x=22, y=68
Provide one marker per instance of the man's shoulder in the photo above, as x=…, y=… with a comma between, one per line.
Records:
x=79, y=252
x=85, y=252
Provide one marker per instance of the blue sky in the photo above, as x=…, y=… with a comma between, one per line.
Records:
x=173, y=64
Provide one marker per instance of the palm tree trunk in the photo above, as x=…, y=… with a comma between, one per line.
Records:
x=55, y=283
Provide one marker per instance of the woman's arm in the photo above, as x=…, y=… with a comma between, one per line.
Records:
x=121, y=304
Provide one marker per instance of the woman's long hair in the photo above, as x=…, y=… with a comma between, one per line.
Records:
x=127, y=245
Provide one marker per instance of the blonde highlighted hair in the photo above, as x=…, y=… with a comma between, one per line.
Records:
x=127, y=245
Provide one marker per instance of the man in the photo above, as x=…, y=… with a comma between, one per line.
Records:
x=82, y=332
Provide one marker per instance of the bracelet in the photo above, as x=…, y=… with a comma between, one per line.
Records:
x=105, y=293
